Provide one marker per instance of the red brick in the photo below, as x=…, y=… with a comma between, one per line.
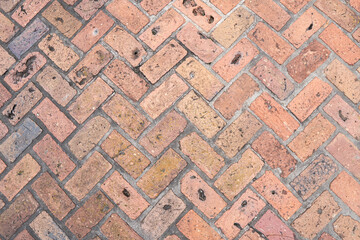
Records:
x=166, y=131
x=27, y=11
x=225, y=6
x=6, y=60
x=326, y=236
x=164, y=96
x=126, y=79
x=240, y=214
x=4, y=96
x=54, y=197
x=238, y=175
x=124, y=195
x=7, y=28
x=294, y=5
x=163, y=61
x=159, y=176
x=45, y=227
x=54, y=157
x=309, y=99
x=355, y=4
x=24, y=235
x=235, y=96
x=341, y=44
x=8, y=6
x=3, y=130
x=154, y=6
x=199, y=43
x=201, y=194
x=164, y=213
x=115, y=227
x=236, y=59
x=162, y=28
x=312, y=137
x=200, y=78
x=194, y=227
x=317, y=216
x=128, y=14
x=268, y=10
x=347, y=228
x=85, y=218
x=271, y=43
x=309, y=59
x=87, y=8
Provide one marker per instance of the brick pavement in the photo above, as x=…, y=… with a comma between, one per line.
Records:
x=180, y=119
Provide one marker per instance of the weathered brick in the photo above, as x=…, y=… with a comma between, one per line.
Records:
x=236, y=59
x=3, y=130
x=115, y=227
x=4, y=96
x=238, y=175
x=166, y=131
x=159, y=176
x=164, y=213
x=312, y=137
x=24, y=235
x=294, y=5
x=27, y=10
x=347, y=228
x=54, y=197
x=317, y=216
x=225, y=6
x=8, y=5
x=45, y=227
x=163, y=61
x=200, y=78
x=88, y=136
x=87, y=8
x=7, y=28
x=240, y=214
x=154, y=6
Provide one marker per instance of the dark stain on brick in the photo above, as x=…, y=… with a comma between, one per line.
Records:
x=202, y=196
x=236, y=59
x=167, y=207
x=199, y=10
x=155, y=30
x=10, y=115
x=126, y=192
x=28, y=68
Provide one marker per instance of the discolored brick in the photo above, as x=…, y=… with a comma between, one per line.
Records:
x=294, y=5
x=154, y=6
x=27, y=10
x=7, y=28
x=45, y=227
x=5, y=95
x=87, y=8
x=225, y=6
x=347, y=227
x=115, y=227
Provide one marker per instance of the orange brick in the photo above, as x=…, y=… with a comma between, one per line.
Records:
x=236, y=59
x=114, y=227
x=294, y=5
x=159, y=176
x=312, y=137
x=356, y=35
x=347, y=228
x=154, y=6
x=7, y=29
x=238, y=175
x=6, y=60
x=355, y=4
x=87, y=8
x=27, y=11
x=5, y=95
x=225, y=6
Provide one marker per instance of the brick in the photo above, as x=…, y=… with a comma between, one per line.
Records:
x=87, y=8
x=271, y=43
x=45, y=227
x=315, y=175
x=128, y=14
x=18, y=213
x=115, y=144
x=268, y=10
x=235, y=96
x=126, y=116
x=63, y=56
x=356, y=35
x=233, y=27
x=8, y=5
x=344, y=79
x=90, y=100
x=238, y=175
x=115, y=227
x=304, y=27
x=236, y=136
x=341, y=44
x=347, y=227
x=86, y=217
x=54, y=197
x=236, y=59
x=199, y=43
x=6, y=60
x=3, y=130
x=2, y=204
x=309, y=99
x=19, y=176
x=201, y=194
x=22, y=104
x=27, y=11
x=345, y=115
x=201, y=153
x=159, y=176
x=312, y=137
x=162, y=28
x=126, y=79
x=88, y=136
x=23, y=42
x=54, y=157
x=164, y=96
x=274, y=115
x=24, y=235
x=24, y=70
x=240, y=214
x=66, y=23
x=93, y=31
x=164, y=213
x=163, y=61
x=225, y=6
x=316, y=217
x=70, y=2
x=199, y=12
x=270, y=226
x=172, y=237
x=2, y=166
x=309, y=59
x=294, y=6
x=4, y=96
x=154, y=6
x=340, y=13
x=126, y=45
x=194, y=227
x=250, y=234
x=90, y=66
x=19, y=140
x=55, y=120
x=59, y=89
x=166, y=131
x=200, y=78
x=201, y=115
x=275, y=154
x=7, y=28
x=326, y=236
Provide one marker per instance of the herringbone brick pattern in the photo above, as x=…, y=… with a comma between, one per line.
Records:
x=180, y=119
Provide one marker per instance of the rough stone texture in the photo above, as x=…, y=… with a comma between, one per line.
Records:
x=347, y=228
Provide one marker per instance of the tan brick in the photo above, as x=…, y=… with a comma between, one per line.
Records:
x=225, y=6
x=347, y=228
x=7, y=29
x=294, y=6
x=87, y=8
x=154, y=6
x=45, y=227
x=115, y=227
x=27, y=11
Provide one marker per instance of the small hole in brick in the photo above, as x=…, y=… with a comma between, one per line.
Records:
x=155, y=30
x=95, y=32
x=51, y=48
x=273, y=192
x=310, y=27
x=342, y=116
x=244, y=203
x=236, y=59
x=59, y=19
x=238, y=226
x=319, y=211
x=136, y=53
x=210, y=19
x=126, y=192
x=166, y=207
x=202, y=196
x=188, y=3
